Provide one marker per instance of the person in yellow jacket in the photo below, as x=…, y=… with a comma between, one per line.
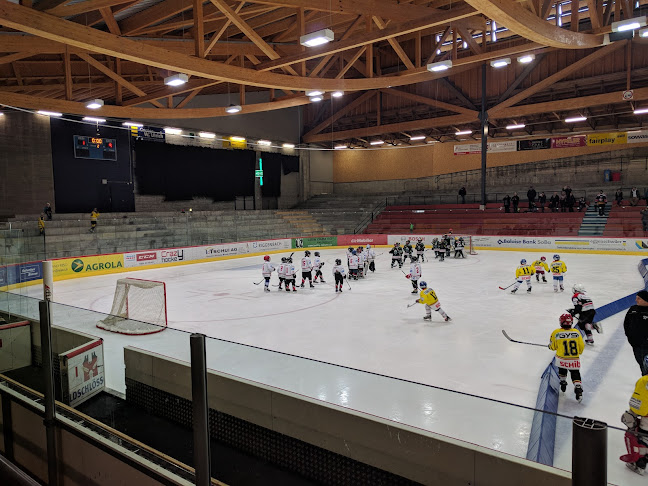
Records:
x=431, y=301
x=558, y=268
x=523, y=274
x=93, y=220
x=541, y=267
x=41, y=224
x=636, y=419
x=568, y=345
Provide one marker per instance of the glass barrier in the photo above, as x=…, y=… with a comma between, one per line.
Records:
x=495, y=425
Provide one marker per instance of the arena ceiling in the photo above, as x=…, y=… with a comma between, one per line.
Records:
x=59, y=54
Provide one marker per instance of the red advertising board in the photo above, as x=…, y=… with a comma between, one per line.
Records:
x=565, y=142
x=353, y=240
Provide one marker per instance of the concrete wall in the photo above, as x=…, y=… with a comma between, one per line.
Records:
x=317, y=173
x=26, y=179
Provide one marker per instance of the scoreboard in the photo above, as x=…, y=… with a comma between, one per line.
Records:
x=95, y=148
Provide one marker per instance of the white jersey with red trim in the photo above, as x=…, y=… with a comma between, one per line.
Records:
x=579, y=298
x=354, y=261
x=415, y=271
x=317, y=263
x=306, y=264
x=281, y=270
x=267, y=269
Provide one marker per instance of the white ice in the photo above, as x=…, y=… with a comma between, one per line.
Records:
x=370, y=328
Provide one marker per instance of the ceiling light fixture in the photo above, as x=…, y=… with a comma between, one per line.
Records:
x=317, y=38
x=49, y=113
x=340, y=147
x=176, y=80
x=95, y=104
x=288, y=145
x=172, y=131
x=132, y=124
x=377, y=142
x=463, y=132
x=206, y=135
x=640, y=111
x=233, y=109
x=643, y=33
x=418, y=137
x=436, y=67
x=266, y=143
x=515, y=126
x=498, y=63
x=575, y=119
x=235, y=138
x=526, y=59
x=314, y=92
x=93, y=119
x=316, y=98
x=629, y=24
x=337, y=94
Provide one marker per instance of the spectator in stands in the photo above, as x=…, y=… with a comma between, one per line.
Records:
x=601, y=201
x=507, y=203
x=531, y=196
x=542, y=200
x=93, y=220
x=571, y=202
x=636, y=328
x=618, y=196
x=644, y=218
x=48, y=211
x=462, y=193
x=41, y=224
x=582, y=204
x=563, y=202
x=568, y=190
x=634, y=196
x=515, y=200
x=554, y=202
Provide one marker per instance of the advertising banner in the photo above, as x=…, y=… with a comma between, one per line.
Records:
x=267, y=245
x=141, y=258
x=87, y=266
x=84, y=369
x=506, y=146
x=172, y=255
x=616, y=138
x=216, y=251
x=467, y=148
x=556, y=244
x=640, y=136
x=358, y=240
x=567, y=142
x=150, y=134
x=20, y=273
x=315, y=241
x=537, y=144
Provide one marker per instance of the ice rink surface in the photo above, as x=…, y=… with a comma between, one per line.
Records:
x=369, y=328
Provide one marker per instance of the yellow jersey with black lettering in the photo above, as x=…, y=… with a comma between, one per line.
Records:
x=94, y=215
x=639, y=399
x=540, y=265
x=558, y=268
x=524, y=271
x=567, y=343
x=428, y=297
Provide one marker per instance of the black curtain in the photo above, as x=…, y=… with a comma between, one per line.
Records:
x=180, y=173
x=290, y=164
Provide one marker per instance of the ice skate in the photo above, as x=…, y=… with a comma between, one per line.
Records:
x=322, y=280
x=447, y=318
x=312, y=286
x=336, y=290
x=544, y=280
x=266, y=289
x=563, y=386
x=340, y=289
x=589, y=341
x=414, y=291
x=529, y=290
x=302, y=285
x=598, y=327
x=427, y=318
x=513, y=291
x=634, y=468
x=562, y=289
x=294, y=289
x=578, y=391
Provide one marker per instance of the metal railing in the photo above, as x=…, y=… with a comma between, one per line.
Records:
x=370, y=217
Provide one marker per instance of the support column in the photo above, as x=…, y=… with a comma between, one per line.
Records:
x=258, y=196
x=50, y=410
x=202, y=447
x=484, y=138
x=589, y=452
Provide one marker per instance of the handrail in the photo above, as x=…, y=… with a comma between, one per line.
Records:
x=369, y=219
x=13, y=474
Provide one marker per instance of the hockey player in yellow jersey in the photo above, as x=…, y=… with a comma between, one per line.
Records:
x=636, y=419
x=431, y=301
x=558, y=268
x=568, y=345
x=541, y=267
x=523, y=274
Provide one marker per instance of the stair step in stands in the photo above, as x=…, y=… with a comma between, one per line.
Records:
x=593, y=224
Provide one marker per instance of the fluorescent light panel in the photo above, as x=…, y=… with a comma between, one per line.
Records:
x=629, y=24
x=95, y=104
x=337, y=94
x=463, y=132
x=288, y=145
x=526, y=59
x=237, y=139
x=132, y=124
x=176, y=80
x=49, y=113
x=233, y=109
x=316, y=98
x=640, y=111
x=340, y=147
x=643, y=33
x=317, y=38
x=418, y=137
x=206, y=135
x=314, y=92
x=172, y=131
x=266, y=143
x=575, y=119
x=377, y=142
x=93, y=119
x=436, y=67
x=515, y=127
x=498, y=63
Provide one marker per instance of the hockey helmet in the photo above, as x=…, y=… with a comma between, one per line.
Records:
x=267, y=258
x=414, y=258
x=317, y=253
x=360, y=248
x=368, y=246
x=450, y=230
x=543, y=259
x=523, y=262
x=338, y=261
x=350, y=248
x=423, y=284
x=284, y=259
x=578, y=287
x=566, y=321
x=397, y=243
x=354, y=252
x=419, y=239
x=461, y=238
x=556, y=257
x=290, y=260
x=307, y=253
x=407, y=242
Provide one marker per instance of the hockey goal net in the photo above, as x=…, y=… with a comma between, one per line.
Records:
x=468, y=244
x=139, y=307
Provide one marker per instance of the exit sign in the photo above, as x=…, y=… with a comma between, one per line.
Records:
x=258, y=173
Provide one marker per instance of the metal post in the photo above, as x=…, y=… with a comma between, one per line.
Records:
x=589, y=452
x=202, y=453
x=48, y=372
x=484, y=138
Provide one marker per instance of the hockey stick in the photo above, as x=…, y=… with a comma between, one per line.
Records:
x=521, y=342
x=504, y=288
x=260, y=281
x=347, y=281
x=410, y=305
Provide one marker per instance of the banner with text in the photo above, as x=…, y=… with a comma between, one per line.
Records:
x=83, y=371
x=361, y=240
x=537, y=144
x=568, y=142
x=20, y=273
x=315, y=241
x=616, y=138
x=640, y=136
x=88, y=265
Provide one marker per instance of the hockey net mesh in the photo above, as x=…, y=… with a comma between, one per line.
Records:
x=139, y=307
x=468, y=242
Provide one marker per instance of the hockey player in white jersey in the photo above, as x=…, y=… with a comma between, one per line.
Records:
x=459, y=248
x=362, y=260
x=266, y=271
x=290, y=275
x=317, y=265
x=415, y=273
x=371, y=257
x=281, y=271
x=306, y=268
x=354, y=261
x=584, y=311
x=339, y=275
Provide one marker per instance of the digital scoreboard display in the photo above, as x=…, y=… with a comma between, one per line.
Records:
x=95, y=148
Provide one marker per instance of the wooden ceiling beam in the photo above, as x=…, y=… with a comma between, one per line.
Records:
x=429, y=101
x=109, y=18
x=217, y=35
x=394, y=43
x=350, y=30
x=68, y=75
x=350, y=63
x=293, y=28
x=82, y=7
x=339, y=114
x=199, y=28
x=16, y=57
x=157, y=13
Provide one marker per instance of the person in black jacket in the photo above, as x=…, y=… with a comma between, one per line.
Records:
x=531, y=196
x=542, y=200
x=554, y=202
x=636, y=329
x=462, y=193
x=507, y=203
x=515, y=200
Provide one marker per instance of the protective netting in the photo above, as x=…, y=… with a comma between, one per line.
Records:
x=139, y=307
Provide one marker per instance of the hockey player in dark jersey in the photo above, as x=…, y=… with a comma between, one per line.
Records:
x=584, y=311
x=459, y=248
x=407, y=251
x=420, y=249
x=397, y=255
x=442, y=249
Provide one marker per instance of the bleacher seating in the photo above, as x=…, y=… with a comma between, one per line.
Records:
x=469, y=219
x=624, y=221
